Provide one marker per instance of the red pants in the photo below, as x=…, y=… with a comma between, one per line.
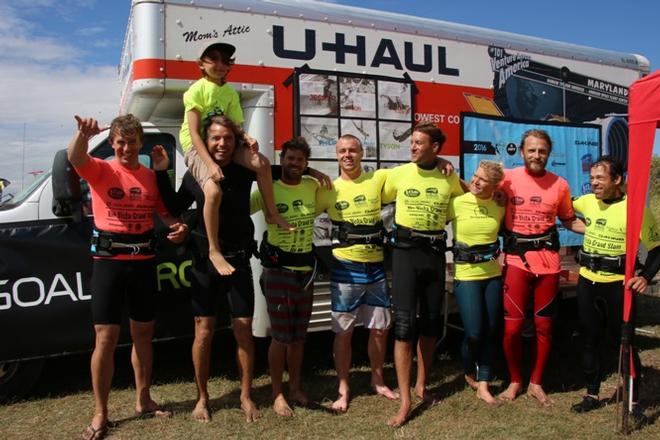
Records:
x=519, y=284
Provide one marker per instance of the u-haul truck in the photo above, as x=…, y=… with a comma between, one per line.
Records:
x=318, y=70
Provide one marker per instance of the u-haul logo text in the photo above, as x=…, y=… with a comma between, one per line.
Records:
x=410, y=57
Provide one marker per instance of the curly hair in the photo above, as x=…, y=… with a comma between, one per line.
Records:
x=126, y=126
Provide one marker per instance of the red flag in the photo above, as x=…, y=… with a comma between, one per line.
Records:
x=643, y=120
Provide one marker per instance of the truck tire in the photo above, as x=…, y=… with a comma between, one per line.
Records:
x=18, y=377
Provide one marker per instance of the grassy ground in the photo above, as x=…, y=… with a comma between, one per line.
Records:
x=654, y=187
x=62, y=404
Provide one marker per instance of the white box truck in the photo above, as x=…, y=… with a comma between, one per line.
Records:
x=302, y=68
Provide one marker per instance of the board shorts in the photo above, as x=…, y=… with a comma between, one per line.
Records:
x=359, y=295
x=289, y=296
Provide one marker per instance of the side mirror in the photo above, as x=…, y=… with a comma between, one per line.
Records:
x=67, y=199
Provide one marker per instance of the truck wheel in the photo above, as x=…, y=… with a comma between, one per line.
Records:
x=17, y=378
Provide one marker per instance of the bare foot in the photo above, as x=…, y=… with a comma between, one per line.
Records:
x=298, y=397
x=250, y=410
x=281, y=407
x=151, y=409
x=401, y=417
x=509, y=395
x=385, y=391
x=471, y=381
x=483, y=393
x=341, y=404
x=428, y=398
x=201, y=412
x=278, y=220
x=536, y=391
x=221, y=265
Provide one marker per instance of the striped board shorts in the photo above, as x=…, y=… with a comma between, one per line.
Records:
x=289, y=303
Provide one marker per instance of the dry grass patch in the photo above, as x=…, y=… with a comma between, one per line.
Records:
x=460, y=415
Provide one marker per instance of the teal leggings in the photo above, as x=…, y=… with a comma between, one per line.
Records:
x=480, y=306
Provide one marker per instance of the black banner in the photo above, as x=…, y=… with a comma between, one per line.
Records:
x=45, y=307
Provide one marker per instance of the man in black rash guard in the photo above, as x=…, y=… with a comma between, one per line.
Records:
x=602, y=258
x=237, y=241
x=422, y=193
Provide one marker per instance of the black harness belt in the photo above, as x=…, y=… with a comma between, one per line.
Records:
x=475, y=254
x=403, y=238
x=272, y=256
x=109, y=244
x=519, y=244
x=606, y=263
x=347, y=234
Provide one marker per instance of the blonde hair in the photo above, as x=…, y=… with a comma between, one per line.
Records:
x=494, y=170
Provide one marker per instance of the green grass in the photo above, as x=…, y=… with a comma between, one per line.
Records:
x=654, y=188
x=62, y=405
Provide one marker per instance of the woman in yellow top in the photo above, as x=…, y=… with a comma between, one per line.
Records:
x=476, y=221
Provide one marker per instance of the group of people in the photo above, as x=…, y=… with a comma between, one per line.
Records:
x=223, y=163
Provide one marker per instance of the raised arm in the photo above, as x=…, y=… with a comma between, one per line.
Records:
x=79, y=143
x=175, y=202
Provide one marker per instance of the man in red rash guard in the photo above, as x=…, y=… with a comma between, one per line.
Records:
x=124, y=198
x=535, y=198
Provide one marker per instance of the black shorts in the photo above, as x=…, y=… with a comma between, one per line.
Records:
x=114, y=280
x=207, y=285
x=418, y=286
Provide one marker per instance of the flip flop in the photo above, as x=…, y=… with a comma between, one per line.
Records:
x=91, y=433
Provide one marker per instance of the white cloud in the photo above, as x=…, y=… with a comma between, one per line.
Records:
x=9, y=22
x=37, y=49
x=45, y=101
x=43, y=83
x=19, y=41
x=90, y=31
x=101, y=44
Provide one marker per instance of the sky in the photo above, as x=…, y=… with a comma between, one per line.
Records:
x=60, y=57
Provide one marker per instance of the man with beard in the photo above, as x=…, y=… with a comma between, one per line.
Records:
x=535, y=198
x=288, y=275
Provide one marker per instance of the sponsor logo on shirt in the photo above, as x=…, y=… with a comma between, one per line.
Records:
x=480, y=211
x=116, y=193
x=412, y=192
x=360, y=200
x=432, y=192
x=135, y=193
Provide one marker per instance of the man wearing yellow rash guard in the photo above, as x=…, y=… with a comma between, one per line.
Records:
x=422, y=194
x=287, y=278
x=602, y=258
x=476, y=219
x=358, y=282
